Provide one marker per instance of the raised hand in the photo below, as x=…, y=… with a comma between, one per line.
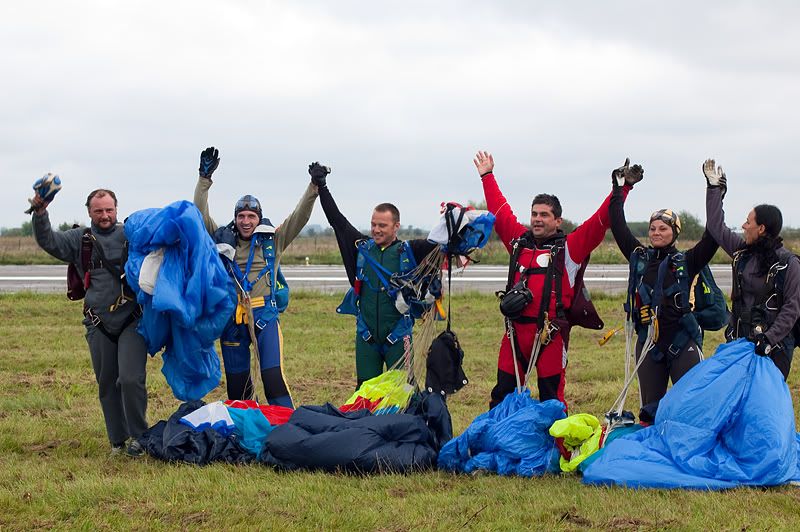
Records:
x=209, y=160
x=715, y=176
x=318, y=173
x=46, y=188
x=627, y=174
x=484, y=162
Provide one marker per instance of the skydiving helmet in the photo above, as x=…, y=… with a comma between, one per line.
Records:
x=247, y=203
x=669, y=217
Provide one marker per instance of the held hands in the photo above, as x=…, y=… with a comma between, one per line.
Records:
x=209, y=160
x=46, y=188
x=484, y=162
x=318, y=173
x=627, y=175
x=715, y=176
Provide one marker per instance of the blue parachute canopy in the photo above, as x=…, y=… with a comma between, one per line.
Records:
x=728, y=422
x=510, y=439
x=191, y=301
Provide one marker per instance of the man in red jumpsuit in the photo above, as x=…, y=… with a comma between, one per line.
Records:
x=543, y=236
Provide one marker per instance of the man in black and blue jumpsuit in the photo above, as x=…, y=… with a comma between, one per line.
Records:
x=251, y=248
x=383, y=333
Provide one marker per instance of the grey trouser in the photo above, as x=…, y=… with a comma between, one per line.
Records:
x=120, y=370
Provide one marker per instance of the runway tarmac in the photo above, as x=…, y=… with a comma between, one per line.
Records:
x=610, y=278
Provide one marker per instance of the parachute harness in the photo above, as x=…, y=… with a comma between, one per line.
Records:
x=244, y=310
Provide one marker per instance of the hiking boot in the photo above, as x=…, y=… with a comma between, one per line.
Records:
x=134, y=449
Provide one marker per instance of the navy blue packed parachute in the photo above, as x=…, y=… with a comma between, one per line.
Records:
x=325, y=438
x=184, y=291
x=510, y=439
x=728, y=422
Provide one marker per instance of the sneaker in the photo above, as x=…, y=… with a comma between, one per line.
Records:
x=134, y=449
x=117, y=450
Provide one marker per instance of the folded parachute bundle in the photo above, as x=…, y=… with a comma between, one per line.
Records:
x=175, y=440
x=388, y=393
x=581, y=436
x=728, y=422
x=325, y=438
x=199, y=433
x=461, y=230
x=182, y=285
x=510, y=439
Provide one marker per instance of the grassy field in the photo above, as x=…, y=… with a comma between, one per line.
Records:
x=56, y=472
x=323, y=250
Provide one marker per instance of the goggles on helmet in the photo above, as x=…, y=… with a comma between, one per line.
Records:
x=247, y=203
x=669, y=217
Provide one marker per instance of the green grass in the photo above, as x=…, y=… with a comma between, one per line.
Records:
x=55, y=471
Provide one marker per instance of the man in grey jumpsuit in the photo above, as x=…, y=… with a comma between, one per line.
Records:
x=118, y=352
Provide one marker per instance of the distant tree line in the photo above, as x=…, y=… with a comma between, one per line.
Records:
x=26, y=229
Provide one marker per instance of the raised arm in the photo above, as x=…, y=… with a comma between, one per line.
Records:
x=63, y=245
x=715, y=215
x=295, y=222
x=506, y=223
x=209, y=161
x=701, y=254
x=346, y=234
x=590, y=233
x=619, y=226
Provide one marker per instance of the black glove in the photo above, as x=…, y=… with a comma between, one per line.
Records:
x=209, y=160
x=318, y=173
x=627, y=175
x=763, y=347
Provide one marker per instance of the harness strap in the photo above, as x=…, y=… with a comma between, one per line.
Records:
x=740, y=259
x=242, y=276
x=773, y=288
x=452, y=225
x=380, y=271
x=544, y=303
x=559, y=274
x=98, y=324
x=87, y=243
x=637, y=257
x=512, y=263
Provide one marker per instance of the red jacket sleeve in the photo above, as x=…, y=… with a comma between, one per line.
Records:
x=506, y=224
x=590, y=233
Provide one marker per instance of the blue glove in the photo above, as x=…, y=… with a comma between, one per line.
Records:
x=46, y=187
x=209, y=160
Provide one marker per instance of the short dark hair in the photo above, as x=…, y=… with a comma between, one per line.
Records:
x=770, y=217
x=388, y=207
x=550, y=200
x=99, y=193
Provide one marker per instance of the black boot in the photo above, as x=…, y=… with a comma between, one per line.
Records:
x=275, y=389
x=239, y=385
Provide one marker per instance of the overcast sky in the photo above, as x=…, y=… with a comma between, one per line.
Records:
x=397, y=97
